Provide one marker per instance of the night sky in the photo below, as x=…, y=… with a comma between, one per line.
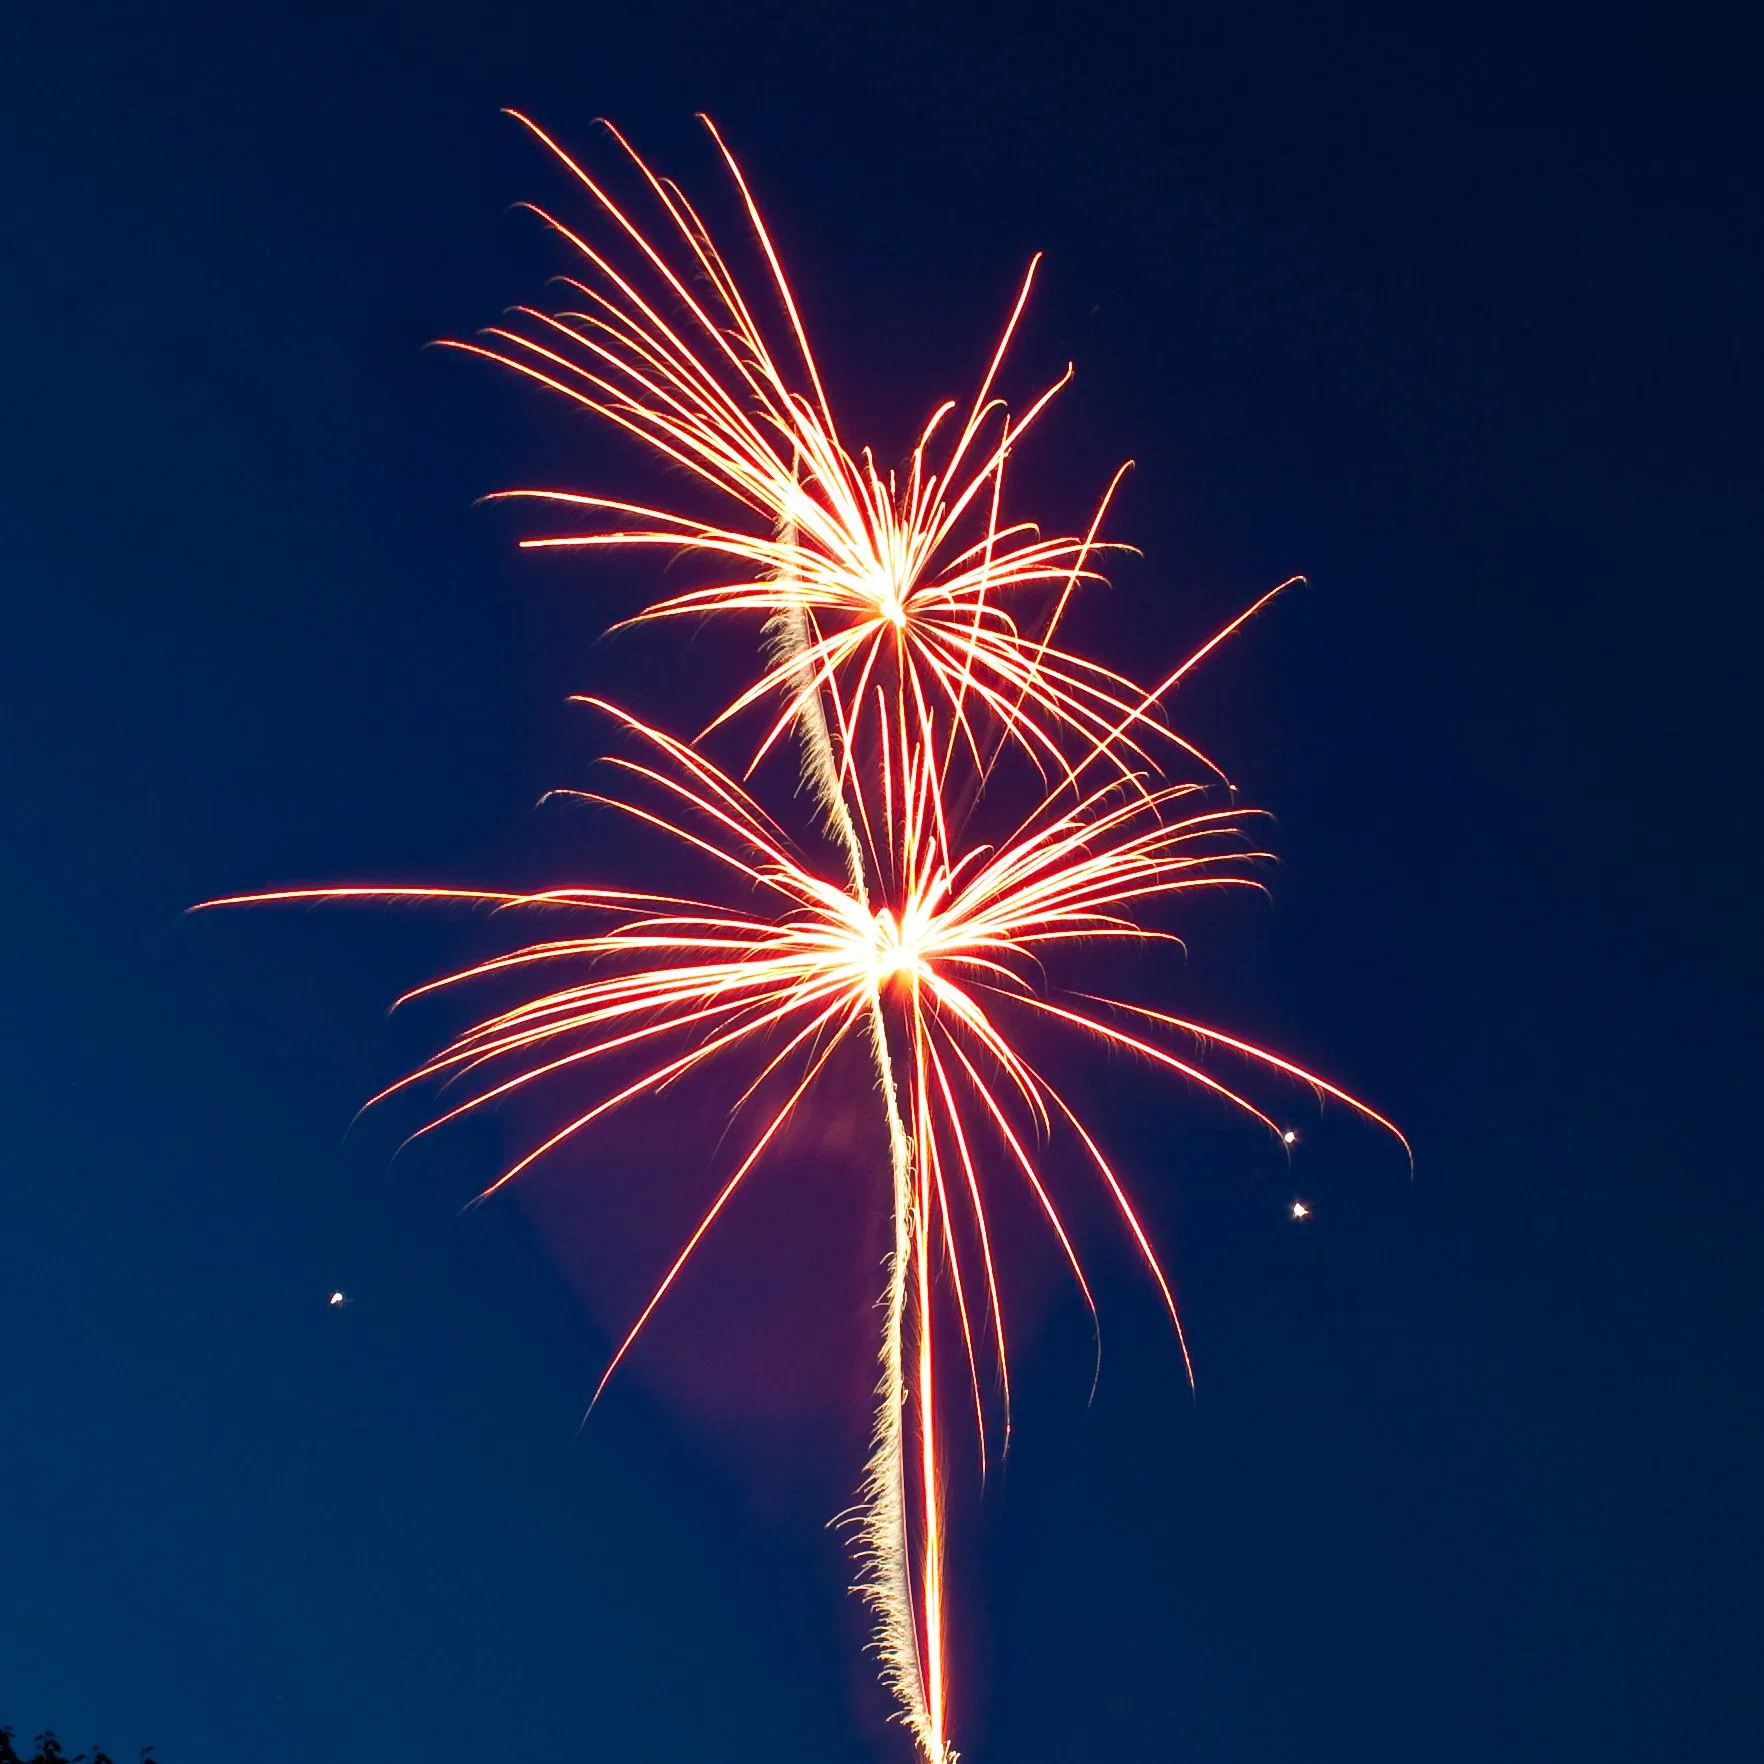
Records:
x=1453, y=310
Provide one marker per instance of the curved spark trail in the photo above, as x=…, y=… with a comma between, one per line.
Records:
x=919, y=566
x=909, y=632
x=884, y=1549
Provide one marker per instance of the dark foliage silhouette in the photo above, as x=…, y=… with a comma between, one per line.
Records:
x=49, y=1752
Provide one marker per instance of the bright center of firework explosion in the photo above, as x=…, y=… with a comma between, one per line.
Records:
x=896, y=950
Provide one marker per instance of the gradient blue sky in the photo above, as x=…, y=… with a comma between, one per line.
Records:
x=1452, y=309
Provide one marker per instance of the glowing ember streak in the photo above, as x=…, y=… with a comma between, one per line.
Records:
x=948, y=964
x=914, y=567
x=904, y=677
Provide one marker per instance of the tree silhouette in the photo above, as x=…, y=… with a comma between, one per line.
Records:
x=49, y=1752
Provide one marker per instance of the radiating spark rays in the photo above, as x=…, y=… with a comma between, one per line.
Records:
x=826, y=961
x=879, y=567
x=909, y=631
x=1067, y=876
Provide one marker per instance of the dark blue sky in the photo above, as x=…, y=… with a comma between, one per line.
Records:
x=1455, y=311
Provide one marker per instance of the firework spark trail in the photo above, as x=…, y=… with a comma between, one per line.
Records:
x=884, y=1546
x=886, y=566
x=890, y=653
x=959, y=949
x=913, y=567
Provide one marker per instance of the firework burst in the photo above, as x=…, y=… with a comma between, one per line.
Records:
x=904, y=656
x=857, y=567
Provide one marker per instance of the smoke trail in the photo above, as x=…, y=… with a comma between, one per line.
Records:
x=883, y=1547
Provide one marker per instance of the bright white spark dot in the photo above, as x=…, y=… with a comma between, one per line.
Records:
x=338, y=1299
x=1300, y=1210
x=1289, y=1137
